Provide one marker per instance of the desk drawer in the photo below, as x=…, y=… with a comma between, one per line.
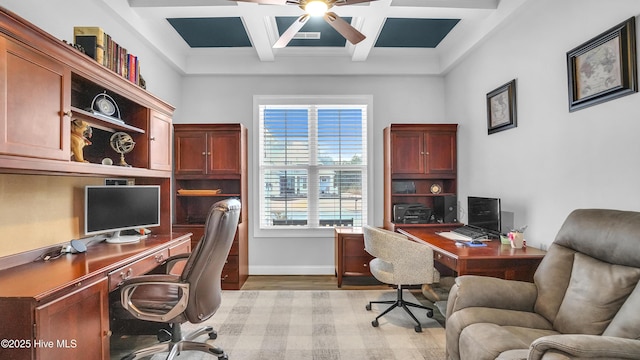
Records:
x=354, y=245
x=230, y=270
x=137, y=268
x=357, y=264
x=445, y=260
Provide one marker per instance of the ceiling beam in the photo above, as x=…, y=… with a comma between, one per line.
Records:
x=457, y=4
x=371, y=27
x=256, y=27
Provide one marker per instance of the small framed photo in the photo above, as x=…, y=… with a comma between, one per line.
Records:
x=603, y=68
x=501, y=108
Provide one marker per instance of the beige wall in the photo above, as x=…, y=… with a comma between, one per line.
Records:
x=38, y=211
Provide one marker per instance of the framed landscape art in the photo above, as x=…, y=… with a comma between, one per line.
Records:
x=603, y=68
x=501, y=108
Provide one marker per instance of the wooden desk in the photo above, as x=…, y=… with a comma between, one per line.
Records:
x=494, y=260
x=351, y=259
x=59, y=309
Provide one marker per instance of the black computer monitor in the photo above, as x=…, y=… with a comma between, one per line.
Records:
x=484, y=213
x=111, y=209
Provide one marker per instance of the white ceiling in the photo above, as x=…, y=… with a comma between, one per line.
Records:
x=479, y=18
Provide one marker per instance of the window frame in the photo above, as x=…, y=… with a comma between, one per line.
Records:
x=320, y=100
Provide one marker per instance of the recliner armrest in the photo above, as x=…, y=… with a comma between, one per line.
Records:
x=481, y=291
x=584, y=347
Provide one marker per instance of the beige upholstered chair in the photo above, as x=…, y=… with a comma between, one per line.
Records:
x=192, y=296
x=583, y=304
x=401, y=262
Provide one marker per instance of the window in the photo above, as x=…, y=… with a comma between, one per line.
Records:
x=313, y=166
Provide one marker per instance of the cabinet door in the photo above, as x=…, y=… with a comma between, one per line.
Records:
x=159, y=141
x=76, y=325
x=223, y=152
x=191, y=151
x=34, y=96
x=407, y=152
x=441, y=152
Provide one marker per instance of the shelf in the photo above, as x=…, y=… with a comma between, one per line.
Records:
x=421, y=195
x=104, y=122
x=209, y=195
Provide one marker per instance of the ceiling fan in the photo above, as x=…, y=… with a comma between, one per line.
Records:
x=316, y=8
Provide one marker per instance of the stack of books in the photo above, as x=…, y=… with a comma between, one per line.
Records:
x=99, y=45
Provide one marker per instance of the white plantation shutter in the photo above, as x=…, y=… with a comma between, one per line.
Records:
x=313, y=165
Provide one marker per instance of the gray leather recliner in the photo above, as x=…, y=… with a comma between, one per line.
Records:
x=583, y=304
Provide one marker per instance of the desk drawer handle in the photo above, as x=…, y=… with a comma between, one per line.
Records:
x=365, y=264
x=126, y=275
x=439, y=256
x=224, y=278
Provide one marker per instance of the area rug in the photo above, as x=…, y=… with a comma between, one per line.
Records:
x=318, y=325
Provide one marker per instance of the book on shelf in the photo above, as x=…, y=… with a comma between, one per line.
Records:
x=101, y=47
x=92, y=39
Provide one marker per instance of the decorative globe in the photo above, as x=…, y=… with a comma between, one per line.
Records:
x=122, y=143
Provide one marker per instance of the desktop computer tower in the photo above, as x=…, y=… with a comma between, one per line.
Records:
x=445, y=208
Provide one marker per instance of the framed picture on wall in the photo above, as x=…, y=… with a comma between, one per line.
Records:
x=603, y=68
x=501, y=108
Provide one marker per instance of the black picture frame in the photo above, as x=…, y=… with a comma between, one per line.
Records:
x=501, y=108
x=603, y=68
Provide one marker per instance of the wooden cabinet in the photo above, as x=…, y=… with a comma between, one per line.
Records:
x=207, y=153
x=160, y=132
x=88, y=309
x=211, y=165
x=34, y=103
x=45, y=84
x=351, y=259
x=420, y=167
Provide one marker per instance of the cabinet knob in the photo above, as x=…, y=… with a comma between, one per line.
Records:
x=204, y=153
x=152, y=138
x=209, y=153
x=67, y=113
x=107, y=333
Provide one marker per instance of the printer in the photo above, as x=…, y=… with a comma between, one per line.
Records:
x=415, y=213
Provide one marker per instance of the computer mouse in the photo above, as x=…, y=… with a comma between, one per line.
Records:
x=476, y=242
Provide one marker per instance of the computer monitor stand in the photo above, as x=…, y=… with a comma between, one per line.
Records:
x=117, y=238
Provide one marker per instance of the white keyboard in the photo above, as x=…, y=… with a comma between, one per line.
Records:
x=454, y=236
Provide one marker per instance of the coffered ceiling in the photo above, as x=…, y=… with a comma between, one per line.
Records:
x=228, y=37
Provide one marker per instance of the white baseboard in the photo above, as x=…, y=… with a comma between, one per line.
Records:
x=291, y=270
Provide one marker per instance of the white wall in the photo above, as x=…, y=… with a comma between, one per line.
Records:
x=399, y=99
x=58, y=17
x=554, y=161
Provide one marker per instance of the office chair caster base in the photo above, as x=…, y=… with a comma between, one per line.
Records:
x=418, y=328
x=375, y=323
x=430, y=313
x=368, y=307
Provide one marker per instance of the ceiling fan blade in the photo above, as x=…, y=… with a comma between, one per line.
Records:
x=350, y=2
x=291, y=31
x=270, y=2
x=344, y=28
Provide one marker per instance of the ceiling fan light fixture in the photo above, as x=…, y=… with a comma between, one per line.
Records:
x=316, y=8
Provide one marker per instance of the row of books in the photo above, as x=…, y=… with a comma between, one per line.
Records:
x=99, y=45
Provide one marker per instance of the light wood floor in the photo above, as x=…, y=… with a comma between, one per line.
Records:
x=309, y=282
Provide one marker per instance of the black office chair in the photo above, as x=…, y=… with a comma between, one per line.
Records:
x=192, y=296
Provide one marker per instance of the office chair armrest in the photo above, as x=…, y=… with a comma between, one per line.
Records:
x=129, y=287
x=490, y=292
x=584, y=347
